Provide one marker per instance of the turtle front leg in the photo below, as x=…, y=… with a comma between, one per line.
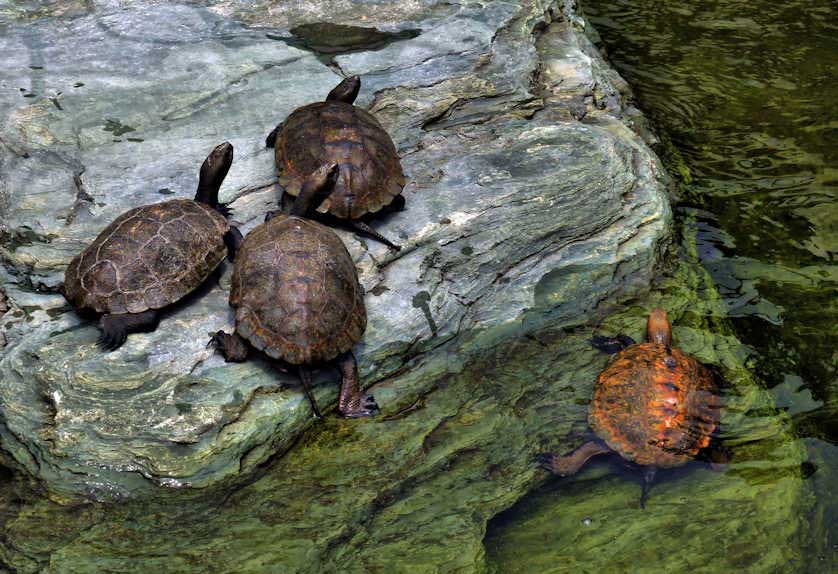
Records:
x=353, y=403
x=571, y=463
x=232, y=347
x=233, y=240
x=115, y=328
x=611, y=345
x=362, y=227
x=270, y=141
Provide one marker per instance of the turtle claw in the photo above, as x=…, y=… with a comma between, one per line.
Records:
x=224, y=209
x=546, y=460
x=611, y=345
x=215, y=339
x=231, y=347
x=115, y=328
x=110, y=341
x=367, y=407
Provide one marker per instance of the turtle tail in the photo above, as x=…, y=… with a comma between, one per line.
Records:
x=648, y=478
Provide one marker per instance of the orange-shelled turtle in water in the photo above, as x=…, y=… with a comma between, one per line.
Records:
x=653, y=405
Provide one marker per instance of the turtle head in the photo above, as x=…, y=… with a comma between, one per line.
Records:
x=213, y=171
x=317, y=187
x=346, y=91
x=658, y=330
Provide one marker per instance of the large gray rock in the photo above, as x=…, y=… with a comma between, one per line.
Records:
x=529, y=200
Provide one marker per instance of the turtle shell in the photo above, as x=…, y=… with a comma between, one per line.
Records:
x=296, y=292
x=655, y=405
x=149, y=257
x=370, y=172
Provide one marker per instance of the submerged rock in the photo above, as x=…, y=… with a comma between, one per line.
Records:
x=517, y=215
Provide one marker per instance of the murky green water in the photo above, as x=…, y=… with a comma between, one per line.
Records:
x=743, y=95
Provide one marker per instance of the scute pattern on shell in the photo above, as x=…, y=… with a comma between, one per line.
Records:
x=149, y=257
x=654, y=407
x=296, y=292
x=370, y=171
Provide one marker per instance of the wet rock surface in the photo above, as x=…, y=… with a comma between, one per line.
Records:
x=518, y=213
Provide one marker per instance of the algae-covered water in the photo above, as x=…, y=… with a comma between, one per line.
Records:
x=742, y=95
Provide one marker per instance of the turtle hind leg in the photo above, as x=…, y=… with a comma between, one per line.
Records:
x=270, y=141
x=716, y=454
x=115, y=328
x=232, y=347
x=611, y=345
x=396, y=205
x=305, y=378
x=571, y=463
x=353, y=402
x=365, y=229
x=649, y=473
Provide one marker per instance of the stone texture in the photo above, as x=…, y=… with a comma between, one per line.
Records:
x=518, y=213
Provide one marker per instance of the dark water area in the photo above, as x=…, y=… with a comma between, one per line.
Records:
x=745, y=93
x=742, y=95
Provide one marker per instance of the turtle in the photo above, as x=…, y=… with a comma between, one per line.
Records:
x=371, y=177
x=297, y=298
x=653, y=404
x=151, y=256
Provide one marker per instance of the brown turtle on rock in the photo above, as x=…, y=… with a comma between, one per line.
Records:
x=370, y=174
x=653, y=405
x=297, y=298
x=153, y=255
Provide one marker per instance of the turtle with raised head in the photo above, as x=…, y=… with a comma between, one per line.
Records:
x=297, y=298
x=370, y=176
x=653, y=405
x=152, y=256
